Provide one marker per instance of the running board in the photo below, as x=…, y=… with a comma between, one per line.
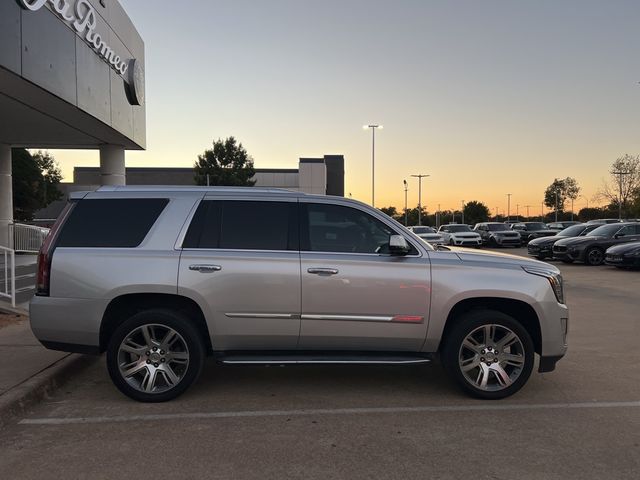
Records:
x=322, y=359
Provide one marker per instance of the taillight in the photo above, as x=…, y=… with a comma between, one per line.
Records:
x=45, y=255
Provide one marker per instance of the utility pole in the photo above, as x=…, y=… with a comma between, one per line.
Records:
x=462, y=211
x=406, y=213
x=527, y=211
x=542, y=211
x=556, y=204
x=620, y=174
x=420, y=177
x=438, y=217
x=508, y=207
x=496, y=214
x=517, y=212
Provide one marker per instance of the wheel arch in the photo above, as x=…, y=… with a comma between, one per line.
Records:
x=124, y=306
x=521, y=311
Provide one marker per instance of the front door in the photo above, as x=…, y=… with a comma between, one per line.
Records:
x=240, y=260
x=355, y=295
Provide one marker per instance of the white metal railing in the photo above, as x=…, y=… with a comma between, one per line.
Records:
x=8, y=273
x=27, y=238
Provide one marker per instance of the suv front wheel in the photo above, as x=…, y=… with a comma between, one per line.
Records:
x=489, y=354
x=155, y=355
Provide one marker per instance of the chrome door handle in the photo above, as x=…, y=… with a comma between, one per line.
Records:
x=205, y=268
x=323, y=271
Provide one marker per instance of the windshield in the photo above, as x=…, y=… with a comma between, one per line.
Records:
x=497, y=227
x=423, y=230
x=536, y=226
x=458, y=228
x=605, y=230
x=572, y=231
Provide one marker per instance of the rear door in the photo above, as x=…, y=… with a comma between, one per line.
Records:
x=240, y=259
x=355, y=296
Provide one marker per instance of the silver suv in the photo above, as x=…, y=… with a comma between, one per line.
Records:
x=161, y=277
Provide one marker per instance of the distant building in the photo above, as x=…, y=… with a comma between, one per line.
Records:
x=320, y=176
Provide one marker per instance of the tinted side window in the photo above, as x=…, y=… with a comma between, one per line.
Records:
x=334, y=228
x=246, y=225
x=110, y=222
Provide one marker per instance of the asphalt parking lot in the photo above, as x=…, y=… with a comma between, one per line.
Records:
x=581, y=421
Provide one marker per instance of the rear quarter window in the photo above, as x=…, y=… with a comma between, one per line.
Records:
x=109, y=223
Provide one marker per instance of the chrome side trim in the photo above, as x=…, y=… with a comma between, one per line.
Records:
x=335, y=362
x=262, y=315
x=351, y=318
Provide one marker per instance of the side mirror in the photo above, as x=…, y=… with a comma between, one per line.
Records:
x=618, y=235
x=398, y=245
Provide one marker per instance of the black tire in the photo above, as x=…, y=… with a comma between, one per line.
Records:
x=453, y=351
x=492, y=242
x=594, y=256
x=158, y=319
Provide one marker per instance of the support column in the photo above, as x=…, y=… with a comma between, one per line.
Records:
x=6, y=195
x=112, y=170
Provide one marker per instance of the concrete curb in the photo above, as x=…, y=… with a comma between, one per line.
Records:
x=9, y=309
x=18, y=400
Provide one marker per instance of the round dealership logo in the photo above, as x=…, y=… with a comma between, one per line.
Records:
x=135, y=82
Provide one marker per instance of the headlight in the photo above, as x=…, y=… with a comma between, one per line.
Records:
x=555, y=279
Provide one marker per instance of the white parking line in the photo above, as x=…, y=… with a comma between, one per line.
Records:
x=324, y=411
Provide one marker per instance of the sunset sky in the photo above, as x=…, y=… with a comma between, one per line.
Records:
x=487, y=97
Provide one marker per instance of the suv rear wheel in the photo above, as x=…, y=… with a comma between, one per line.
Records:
x=489, y=354
x=155, y=355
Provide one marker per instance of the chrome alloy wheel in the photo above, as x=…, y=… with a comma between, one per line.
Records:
x=491, y=357
x=153, y=358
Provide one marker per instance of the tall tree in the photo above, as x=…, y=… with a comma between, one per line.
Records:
x=564, y=188
x=227, y=163
x=475, y=212
x=35, y=182
x=624, y=183
x=391, y=211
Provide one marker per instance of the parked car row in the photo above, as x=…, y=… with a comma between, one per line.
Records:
x=612, y=243
x=609, y=241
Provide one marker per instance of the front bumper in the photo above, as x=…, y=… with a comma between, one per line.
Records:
x=466, y=242
x=572, y=255
x=537, y=251
x=511, y=241
x=621, y=260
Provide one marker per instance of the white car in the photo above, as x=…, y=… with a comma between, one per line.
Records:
x=428, y=234
x=460, y=235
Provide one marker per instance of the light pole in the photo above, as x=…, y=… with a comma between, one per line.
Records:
x=586, y=199
x=420, y=177
x=517, y=212
x=373, y=161
x=508, y=207
x=572, y=209
x=556, y=205
x=462, y=212
x=527, y=211
x=620, y=174
x=406, y=213
x=542, y=211
x=438, y=217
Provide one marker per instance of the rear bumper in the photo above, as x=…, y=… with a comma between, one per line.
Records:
x=67, y=324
